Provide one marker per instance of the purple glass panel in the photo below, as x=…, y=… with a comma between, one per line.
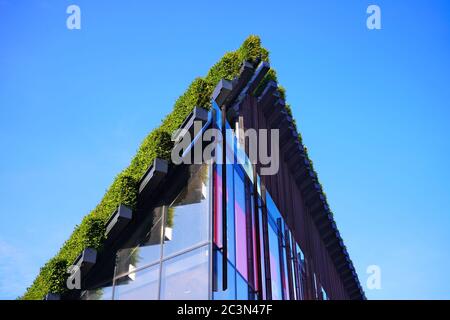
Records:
x=241, y=227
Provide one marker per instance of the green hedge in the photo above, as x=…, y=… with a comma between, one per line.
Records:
x=124, y=189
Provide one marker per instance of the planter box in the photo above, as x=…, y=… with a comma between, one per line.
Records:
x=240, y=82
x=258, y=76
x=85, y=261
x=198, y=115
x=268, y=97
x=118, y=220
x=154, y=175
x=222, y=92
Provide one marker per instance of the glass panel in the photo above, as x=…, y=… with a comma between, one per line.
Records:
x=241, y=225
x=186, y=222
x=186, y=276
x=274, y=214
x=274, y=254
x=104, y=293
x=231, y=215
x=239, y=155
x=141, y=285
x=231, y=144
x=144, y=248
x=218, y=206
x=230, y=210
x=230, y=293
x=218, y=113
x=242, y=289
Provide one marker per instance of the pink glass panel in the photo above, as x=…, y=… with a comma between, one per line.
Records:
x=241, y=237
x=217, y=209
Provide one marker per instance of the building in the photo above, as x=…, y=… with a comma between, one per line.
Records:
x=166, y=229
x=266, y=237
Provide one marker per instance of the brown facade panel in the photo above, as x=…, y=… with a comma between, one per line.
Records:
x=288, y=197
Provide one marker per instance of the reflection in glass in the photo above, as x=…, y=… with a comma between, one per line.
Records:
x=144, y=247
x=218, y=206
x=241, y=226
x=242, y=288
x=230, y=215
x=104, y=293
x=272, y=209
x=186, y=276
x=274, y=256
x=230, y=209
x=186, y=221
x=141, y=285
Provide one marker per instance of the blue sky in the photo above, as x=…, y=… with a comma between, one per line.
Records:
x=373, y=108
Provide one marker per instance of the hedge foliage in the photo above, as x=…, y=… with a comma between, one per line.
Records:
x=124, y=189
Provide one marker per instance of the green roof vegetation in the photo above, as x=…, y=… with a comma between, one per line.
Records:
x=124, y=190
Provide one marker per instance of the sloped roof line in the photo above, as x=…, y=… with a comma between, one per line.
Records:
x=300, y=166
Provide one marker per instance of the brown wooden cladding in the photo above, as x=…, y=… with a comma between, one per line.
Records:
x=288, y=198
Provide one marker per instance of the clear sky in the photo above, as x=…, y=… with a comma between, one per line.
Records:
x=373, y=107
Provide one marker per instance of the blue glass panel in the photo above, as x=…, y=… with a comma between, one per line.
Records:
x=187, y=219
x=274, y=214
x=186, y=276
x=275, y=268
x=141, y=285
x=148, y=250
x=231, y=215
x=242, y=288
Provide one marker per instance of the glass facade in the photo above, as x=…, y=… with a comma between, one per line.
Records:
x=168, y=256
x=264, y=260
x=177, y=251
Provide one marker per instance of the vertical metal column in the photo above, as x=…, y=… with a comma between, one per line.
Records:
x=224, y=202
x=257, y=237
